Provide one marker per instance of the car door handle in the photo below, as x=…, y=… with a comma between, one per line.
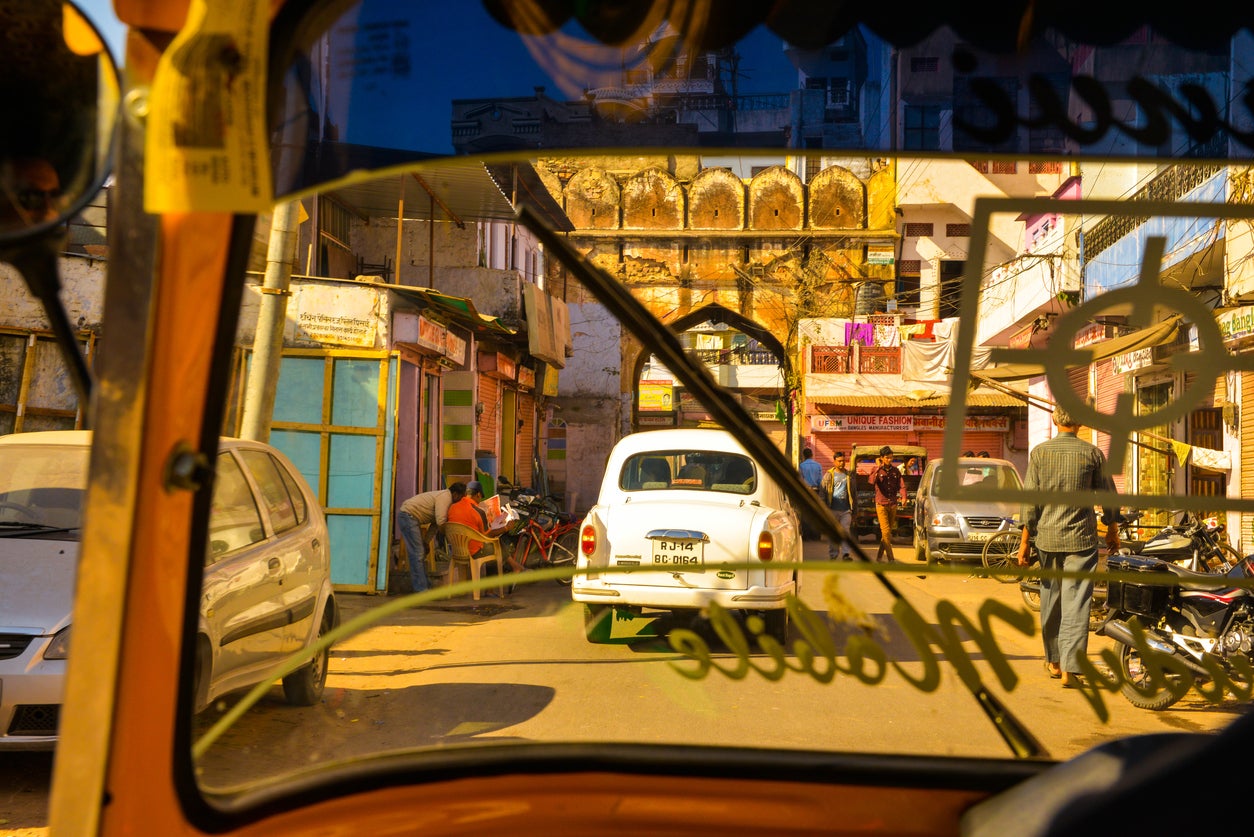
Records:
x=275, y=565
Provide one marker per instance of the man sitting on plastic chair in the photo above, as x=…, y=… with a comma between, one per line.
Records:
x=468, y=536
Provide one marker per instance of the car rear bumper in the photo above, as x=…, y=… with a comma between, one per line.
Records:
x=753, y=598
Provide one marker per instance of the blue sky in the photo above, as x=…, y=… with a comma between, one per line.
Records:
x=413, y=110
x=100, y=12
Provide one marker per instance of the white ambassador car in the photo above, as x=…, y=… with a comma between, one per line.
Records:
x=676, y=509
x=266, y=593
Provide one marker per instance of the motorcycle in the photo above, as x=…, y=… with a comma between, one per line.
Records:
x=1192, y=544
x=1173, y=636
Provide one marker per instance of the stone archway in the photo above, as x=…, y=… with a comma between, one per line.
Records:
x=725, y=316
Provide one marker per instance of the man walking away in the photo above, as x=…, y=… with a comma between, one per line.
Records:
x=889, y=489
x=1066, y=539
x=836, y=492
x=415, y=518
x=811, y=475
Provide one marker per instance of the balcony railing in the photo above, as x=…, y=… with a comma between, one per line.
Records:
x=736, y=357
x=868, y=360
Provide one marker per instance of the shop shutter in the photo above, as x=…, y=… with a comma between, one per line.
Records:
x=525, y=444
x=992, y=441
x=1247, y=452
x=490, y=419
x=825, y=444
x=1109, y=385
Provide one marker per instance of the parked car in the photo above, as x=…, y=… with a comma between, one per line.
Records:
x=957, y=529
x=863, y=457
x=267, y=587
x=679, y=505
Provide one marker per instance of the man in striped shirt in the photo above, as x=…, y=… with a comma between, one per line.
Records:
x=1066, y=539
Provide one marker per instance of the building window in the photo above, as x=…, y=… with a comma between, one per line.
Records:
x=917, y=230
x=921, y=131
x=971, y=109
x=911, y=267
x=907, y=292
x=1044, y=167
x=958, y=230
x=924, y=64
x=950, y=287
x=1005, y=167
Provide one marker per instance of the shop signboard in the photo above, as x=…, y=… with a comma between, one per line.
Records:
x=656, y=395
x=906, y=423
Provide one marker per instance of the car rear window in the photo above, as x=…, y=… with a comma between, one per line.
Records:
x=689, y=470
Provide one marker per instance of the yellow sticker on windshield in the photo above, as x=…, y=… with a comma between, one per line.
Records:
x=206, y=145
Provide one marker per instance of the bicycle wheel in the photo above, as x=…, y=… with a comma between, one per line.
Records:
x=1001, y=552
x=563, y=551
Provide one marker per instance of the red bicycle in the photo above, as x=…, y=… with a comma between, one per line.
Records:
x=546, y=536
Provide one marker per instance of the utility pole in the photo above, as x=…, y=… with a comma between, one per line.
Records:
x=263, y=372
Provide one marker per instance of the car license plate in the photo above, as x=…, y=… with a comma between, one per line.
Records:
x=678, y=552
x=981, y=536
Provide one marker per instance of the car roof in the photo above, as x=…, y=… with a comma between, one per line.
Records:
x=679, y=438
x=82, y=438
x=973, y=461
x=74, y=438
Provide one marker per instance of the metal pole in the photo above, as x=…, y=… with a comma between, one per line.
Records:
x=263, y=373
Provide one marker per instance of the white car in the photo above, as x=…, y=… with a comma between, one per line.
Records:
x=266, y=593
x=676, y=508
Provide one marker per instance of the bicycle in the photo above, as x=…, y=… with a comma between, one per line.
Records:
x=1001, y=551
x=546, y=536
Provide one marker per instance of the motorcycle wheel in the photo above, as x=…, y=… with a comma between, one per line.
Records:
x=1229, y=555
x=1000, y=553
x=1136, y=682
x=1032, y=599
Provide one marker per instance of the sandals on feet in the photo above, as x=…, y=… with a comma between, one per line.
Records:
x=1053, y=670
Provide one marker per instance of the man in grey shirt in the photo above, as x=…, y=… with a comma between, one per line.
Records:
x=414, y=519
x=1066, y=539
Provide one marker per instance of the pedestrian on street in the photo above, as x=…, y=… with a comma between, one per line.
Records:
x=811, y=475
x=1066, y=539
x=890, y=489
x=836, y=492
x=468, y=512
x=416, y=519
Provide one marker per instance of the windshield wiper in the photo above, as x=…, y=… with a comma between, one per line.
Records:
x=657, y=338
x=14, y=529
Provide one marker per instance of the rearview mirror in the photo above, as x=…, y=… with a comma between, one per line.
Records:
x=60, y=92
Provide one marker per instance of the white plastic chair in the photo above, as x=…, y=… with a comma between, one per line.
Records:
x=458, y=536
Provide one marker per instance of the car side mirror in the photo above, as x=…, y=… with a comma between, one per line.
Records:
x=59, y=95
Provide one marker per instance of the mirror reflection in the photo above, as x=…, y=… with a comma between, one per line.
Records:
x=52, y=159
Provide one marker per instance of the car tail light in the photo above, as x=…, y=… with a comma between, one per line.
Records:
x=766, y=546
x=588, y=540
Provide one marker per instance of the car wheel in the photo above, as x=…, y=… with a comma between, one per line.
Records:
x=598, y=623
x=921, y=552
x=304, y=686
x=776, y=624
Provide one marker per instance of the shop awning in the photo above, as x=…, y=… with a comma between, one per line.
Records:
x=1155, y=335
x=913, y=402
x=458, y=308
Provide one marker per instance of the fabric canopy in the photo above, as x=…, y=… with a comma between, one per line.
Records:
x=1155, y=335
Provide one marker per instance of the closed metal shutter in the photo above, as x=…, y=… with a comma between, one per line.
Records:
x=1247, y=455
x=1109, y=385
x=992, y=441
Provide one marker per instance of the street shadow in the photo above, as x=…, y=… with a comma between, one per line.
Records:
x=273, y=739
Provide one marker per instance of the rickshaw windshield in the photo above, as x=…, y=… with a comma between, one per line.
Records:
x=514, y=240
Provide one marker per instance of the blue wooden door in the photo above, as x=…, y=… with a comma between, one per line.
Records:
x=334, y=417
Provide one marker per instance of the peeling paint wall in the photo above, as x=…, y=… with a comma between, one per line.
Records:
x=588, y=398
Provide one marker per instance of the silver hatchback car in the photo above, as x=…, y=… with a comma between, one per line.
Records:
x=958, y=529
x=267, y=586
